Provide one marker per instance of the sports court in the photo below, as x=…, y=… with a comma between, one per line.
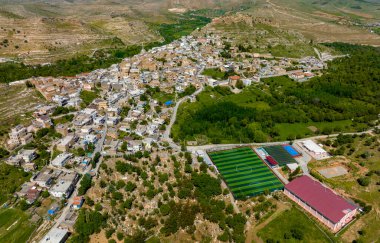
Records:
x=244, y=172
x=280, y=154
x=292, y=151
x=333, y=171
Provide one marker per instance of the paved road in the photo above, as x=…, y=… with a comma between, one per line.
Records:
x=225, y=146
x=166, y=135
x=98, y=148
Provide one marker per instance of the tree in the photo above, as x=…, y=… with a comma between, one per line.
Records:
x=45, y=194
x=85, y=184
x=130, y=187
x=297, y=233
x=165, y=209
x=3, y=153
x=206, y=185
x=24, y=205
x=239, y=84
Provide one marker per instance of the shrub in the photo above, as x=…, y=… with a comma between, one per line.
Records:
x=364, y=181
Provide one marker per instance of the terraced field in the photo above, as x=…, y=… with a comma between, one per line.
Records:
x=244, y=172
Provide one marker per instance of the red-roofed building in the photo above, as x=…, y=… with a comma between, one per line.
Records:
x=233, y=80
x=323, y=203
x=78, y=202
x=272, y=161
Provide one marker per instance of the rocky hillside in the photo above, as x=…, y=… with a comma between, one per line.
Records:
x=37, y=31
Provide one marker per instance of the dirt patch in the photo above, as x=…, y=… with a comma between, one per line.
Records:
x=333, y=171
x=312, y=128
x=99, y=238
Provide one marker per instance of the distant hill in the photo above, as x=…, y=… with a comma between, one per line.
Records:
x=39, y=31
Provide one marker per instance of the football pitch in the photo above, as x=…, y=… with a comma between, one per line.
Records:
x=280, y=154
x=244, y=172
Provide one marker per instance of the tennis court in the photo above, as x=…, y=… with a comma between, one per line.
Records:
x=280, y=154
x=244, y=172
x=292, y=151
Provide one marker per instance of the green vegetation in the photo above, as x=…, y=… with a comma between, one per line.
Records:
x=343, y=99
x=15, y=226
x=3, y=153
x=64, y=119
x=215, y=73
x=88, y=223
x=85, y=184
x=88, y=96
x=244, y=172
x=183, y=24
x=292, y=226
x=10, y=179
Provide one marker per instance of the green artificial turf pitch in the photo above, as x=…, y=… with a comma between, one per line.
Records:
x=244, y=172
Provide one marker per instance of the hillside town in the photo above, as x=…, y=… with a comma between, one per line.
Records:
x=129, y=108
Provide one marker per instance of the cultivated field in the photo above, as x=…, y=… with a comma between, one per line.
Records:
x=331, y=23
x=14, y=226
x=245, y=174
x=16, y=104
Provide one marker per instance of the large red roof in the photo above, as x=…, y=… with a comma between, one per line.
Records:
x=320, y=198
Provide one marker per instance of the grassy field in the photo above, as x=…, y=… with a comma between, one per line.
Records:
x=214, y=73
x=297, y=130
x=14, y=226
x=163, y=97
x=245, y=174
x=286, y=222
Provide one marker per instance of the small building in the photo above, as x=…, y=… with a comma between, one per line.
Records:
x=233, y=80
x=56, y=235
x=66, y=143
x=32, y=195
x=315, y=150
x=44, y=121
x=44, y=178
x=61, y=159
x=62, y=129
x=292, y=167
x=320, y=201
x=65, y=185
x=78, y=202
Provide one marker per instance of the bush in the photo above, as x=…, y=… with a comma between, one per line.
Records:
x=165, y=209
x=45, y=194
x=297, y=234
x=364, y=181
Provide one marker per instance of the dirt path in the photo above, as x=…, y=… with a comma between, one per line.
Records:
x=252, y=232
